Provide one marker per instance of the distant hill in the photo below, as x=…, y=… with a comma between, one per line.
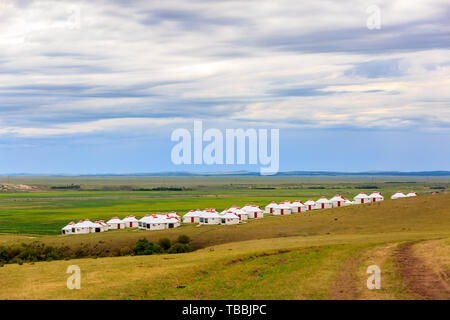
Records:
x=249, y=173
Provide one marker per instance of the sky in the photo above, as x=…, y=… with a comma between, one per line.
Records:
x=99, y=86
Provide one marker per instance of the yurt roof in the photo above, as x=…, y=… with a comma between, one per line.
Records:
x=337, y=197
x=310, y=202
x=399, y=194
x=114, y=220
x=273, y=204
x=228, y=215
x=130, y=219
x=361, y=195
x=375, y=195
x=323, y=200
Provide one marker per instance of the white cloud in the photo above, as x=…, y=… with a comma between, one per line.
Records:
x=69, y=68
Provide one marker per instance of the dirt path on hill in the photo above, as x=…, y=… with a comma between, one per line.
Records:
x=420, y=280
x=345, y=287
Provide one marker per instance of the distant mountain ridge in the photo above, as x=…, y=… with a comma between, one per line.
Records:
x=249, y=173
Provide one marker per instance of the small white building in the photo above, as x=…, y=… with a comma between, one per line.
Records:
x=210, y=217
x=398, y=195
x=269, y=208
x=228, y=217
x=375, y=197
x=323, y=203
x=254, y=212
x=97, y=227
x=361, y=198
x=161, y=222
x=192, y=216
x=130, y=222
x=115, y=224
x=297, y=206
x=412, y=194
x=241, y=214
x=337, y=201
x=282, y=209
x=81, y=228
x=69, y=229
x=310, y=204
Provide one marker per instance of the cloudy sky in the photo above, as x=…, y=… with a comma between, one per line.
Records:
x=98, y=86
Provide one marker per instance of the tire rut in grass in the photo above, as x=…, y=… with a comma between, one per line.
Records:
x=421, y=281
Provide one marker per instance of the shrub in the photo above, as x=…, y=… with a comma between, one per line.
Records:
x=144, y=247
x=125, y=251
x=180, y=248
x=183, y=239
x=164, y=243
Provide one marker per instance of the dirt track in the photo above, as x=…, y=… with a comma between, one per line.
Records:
x=421, y=281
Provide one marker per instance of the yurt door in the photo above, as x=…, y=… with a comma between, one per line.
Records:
x=192, y=219
x=255, y=215
x=339, y=203
x=323, y=205
x=282, y=211
x=118, y=226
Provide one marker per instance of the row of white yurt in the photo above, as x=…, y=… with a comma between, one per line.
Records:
x=364, y=198
x=400, y=194
x=84, y=226
x=158, y=222
x=283, y=208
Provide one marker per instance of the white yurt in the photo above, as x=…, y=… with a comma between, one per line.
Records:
x=97, y=227
x=210, y=217
x=361, y=198
x=254, y=212
x=241, y=214
x=398, y=195
x=348, y=202
x=81, y=227
x=269, y=208
x=69, y=229
x=153, y=222
x=104, y=225
x=297, y=206
x=130, y=222
x=91, y=225
x=337, y=201
x=228, y=217
x=191, y=217
x=115, y=223
x=412, y=194
x=376, y=196
x=282, y=209
x=171, y=222
x=323, y=203
x=310, y=204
